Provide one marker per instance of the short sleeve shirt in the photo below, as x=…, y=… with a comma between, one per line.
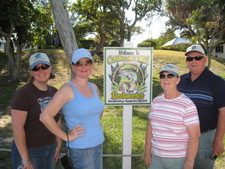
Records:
x=32, y=100
x=207, y=92
x=170, y=119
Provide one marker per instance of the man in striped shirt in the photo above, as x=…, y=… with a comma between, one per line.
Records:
x=173, y=131
x=207, y=91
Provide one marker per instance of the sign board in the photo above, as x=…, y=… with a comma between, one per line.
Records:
x=128, y=76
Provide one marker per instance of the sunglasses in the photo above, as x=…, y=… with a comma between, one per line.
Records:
x=169, y=76
x=85, y=63
x=192, y=58
x=43, y=67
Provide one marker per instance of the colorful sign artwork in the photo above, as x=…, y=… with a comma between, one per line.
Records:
x=127, y=76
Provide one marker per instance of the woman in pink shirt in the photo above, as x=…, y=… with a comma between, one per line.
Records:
x=173, y=129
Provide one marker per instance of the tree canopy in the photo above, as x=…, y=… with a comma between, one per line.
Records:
x=23, y=23
x=16, y=17
x=110, y=20
x=30, y=22
x=202, y=21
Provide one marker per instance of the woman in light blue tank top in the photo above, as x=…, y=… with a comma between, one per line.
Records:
x=82, y=108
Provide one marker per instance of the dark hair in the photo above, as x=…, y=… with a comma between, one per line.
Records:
x=52, y=76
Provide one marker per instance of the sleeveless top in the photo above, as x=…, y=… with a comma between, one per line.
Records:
x=86, y=111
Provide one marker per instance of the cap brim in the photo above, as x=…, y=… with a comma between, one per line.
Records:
x=38, y=62
x=194, y=51
x=78, y=58
x=174, y=73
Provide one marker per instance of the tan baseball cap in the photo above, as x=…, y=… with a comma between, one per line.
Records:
x=195, y=48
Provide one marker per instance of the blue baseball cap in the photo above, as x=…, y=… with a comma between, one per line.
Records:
x=81, y=53
x=170, y=68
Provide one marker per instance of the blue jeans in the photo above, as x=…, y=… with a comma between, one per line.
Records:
x=41, y=157
x=205, y=149
x=166, y=163
x=89, y=158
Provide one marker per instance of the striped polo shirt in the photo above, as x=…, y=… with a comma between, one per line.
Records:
x=169, y=119
x=207, y=92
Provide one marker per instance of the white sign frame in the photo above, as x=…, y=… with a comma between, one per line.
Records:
x=128, y=76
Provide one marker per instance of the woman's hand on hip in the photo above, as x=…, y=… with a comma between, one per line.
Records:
x=76, y=132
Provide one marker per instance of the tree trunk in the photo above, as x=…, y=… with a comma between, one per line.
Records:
x=209, y=54
x=65, y=30
x=122, y=29
x=17, y=62
x=99, y=47
x=9, y=51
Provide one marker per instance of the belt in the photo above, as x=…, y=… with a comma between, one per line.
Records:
x=207, y=130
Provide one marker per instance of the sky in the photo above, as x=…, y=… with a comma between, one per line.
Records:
x=154, y=31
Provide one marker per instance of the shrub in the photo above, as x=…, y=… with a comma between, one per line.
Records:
x=87, y=44
x=148, y=43
x=114, y=43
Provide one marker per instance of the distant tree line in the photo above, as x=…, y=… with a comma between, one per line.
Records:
x=99, y=23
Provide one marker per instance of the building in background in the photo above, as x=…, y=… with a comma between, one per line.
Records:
x=3, y=43
x=177, y=41
x=219, y=51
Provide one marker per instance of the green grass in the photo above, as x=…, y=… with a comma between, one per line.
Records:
x=112, y=118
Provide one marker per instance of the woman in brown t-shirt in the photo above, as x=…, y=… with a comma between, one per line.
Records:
x=34, y=145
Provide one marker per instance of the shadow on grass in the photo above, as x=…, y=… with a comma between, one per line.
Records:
x=7, y=88
x=5, y=143
x=7, y=91
x=220, y=60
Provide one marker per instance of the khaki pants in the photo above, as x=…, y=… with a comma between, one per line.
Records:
x=205, y=149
